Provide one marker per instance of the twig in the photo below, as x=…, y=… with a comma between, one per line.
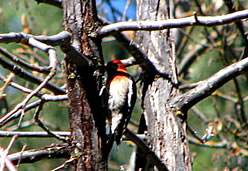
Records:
x=17, y=86
x=231, y=8
x=19, y=161
x=22, y=63
x=210, y=144
x=209, y=133
x=29, y=77
x=6, y=161
x=5, y=153
x=125, y=10
x=190, y=57
x=5, y=85
x=199, y=113
x=20, y=37
x=8, y=117
x=38, y=121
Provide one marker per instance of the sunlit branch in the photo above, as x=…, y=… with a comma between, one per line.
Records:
x=6, y=161
x=228, y=98
x=188, y=86
x=61, y=38
x=5, y=153
x=39, y=134
x=31, y=156
x=205, y=88
x=42, y=134
x=52, y=66
x=173, y=23
x=55, y=40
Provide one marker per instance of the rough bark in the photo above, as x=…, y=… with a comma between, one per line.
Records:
x=167, y=132
x=87, y=119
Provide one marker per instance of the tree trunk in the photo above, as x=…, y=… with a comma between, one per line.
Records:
x=87, y=119
x=166, y=131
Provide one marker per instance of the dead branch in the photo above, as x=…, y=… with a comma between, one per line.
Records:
x=173, y=23
x=205, y=88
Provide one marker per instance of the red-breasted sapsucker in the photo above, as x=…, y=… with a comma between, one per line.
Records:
x=121, y=97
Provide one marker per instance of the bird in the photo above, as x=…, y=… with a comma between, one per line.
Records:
x=121, y=90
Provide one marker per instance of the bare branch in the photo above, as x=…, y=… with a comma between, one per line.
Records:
x=5, y=161
x=55, y=40
x=43, y=126
x=39, y=134
x=210, y=144
x=22, y=63
x=190, y=57
x=207, y=87
x=45, y=98
x=209, y=133
x=24, y=38
x=57, y=3
x=16, y=86
x=61, y=38
x=173, y=23
x=29, y=77
x=31, y=156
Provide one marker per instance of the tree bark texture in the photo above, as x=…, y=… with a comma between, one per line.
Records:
x=84, y=73
x=166, y=131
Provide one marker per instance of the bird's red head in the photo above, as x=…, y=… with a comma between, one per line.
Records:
x=116, y=66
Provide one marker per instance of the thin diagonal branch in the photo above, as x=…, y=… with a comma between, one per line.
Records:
x=146, y=150
x=17, y=86
x=205, y=88
x=43, y=126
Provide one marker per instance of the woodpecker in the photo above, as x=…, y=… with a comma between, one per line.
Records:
x=121, y=97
